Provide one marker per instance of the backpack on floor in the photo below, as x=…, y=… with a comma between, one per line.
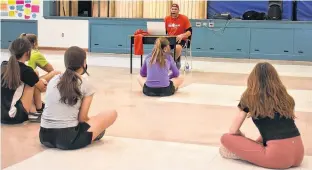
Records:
x=254, y=15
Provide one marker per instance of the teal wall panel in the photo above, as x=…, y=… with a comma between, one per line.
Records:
x=272, y=42
x=116, y=33
x=282, y=40
x=302, y=44
x=278, y=40
x=13, y=28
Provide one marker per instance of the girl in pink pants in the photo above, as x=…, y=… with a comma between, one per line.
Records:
x=271, y=108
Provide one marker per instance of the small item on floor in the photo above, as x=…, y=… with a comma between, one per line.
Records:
x=100, y=136
x=227, y=154
x=187, y=67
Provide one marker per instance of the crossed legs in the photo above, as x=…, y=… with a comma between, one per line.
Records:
x=177, y=82
x=278, y=154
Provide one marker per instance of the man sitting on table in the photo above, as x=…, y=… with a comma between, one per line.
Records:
x=178, y=25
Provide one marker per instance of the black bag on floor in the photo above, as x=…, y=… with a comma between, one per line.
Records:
x=254, y=15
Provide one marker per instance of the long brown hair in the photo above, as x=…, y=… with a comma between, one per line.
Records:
x=11, y=72
x=70, y=82
x=158, y=53
x=265, y=94
x=32, y=38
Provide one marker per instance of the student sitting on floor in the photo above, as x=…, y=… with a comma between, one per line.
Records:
x=271, y=108
x=38, y=60
x=154, y=75
x=18, y=85
x=65, y=123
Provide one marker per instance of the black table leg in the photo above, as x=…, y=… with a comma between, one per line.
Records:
x=141, y=60
x=130, y=56
x=174, y=51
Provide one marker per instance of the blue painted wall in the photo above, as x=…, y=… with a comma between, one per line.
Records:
x=12, y=28
x=115, y=31
x=282, y=40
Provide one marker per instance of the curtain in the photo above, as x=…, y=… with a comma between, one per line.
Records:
x=68, y=8
x=193, y=9
x=112, y=8
x=136, y=8
x=74, y=8
x=156, y=8
x=128, y=9
x=57, y=8
x=95, y=8
x=64, y=8
x=100, y=8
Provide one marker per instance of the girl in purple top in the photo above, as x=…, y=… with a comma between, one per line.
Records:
x=154, y=74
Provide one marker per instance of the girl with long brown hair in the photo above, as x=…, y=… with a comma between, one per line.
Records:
x=65, y=123
x=18, y=86
x=154, y=75
x=271, y=108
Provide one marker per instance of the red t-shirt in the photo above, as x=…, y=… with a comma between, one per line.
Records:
x=177, y=26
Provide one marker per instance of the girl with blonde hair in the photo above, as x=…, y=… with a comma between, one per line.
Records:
x=154, y=74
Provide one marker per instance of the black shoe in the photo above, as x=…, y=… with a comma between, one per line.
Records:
x=34, y=117
x=41, y=110
x=100, y=136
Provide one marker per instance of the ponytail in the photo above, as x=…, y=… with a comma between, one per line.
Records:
x=23, y=35
x=69, y=87
x=32, y=38
x=11, y=74
x=11, y=71
x=158, y=54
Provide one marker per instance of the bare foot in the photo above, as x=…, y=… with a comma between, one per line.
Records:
x=227, y=154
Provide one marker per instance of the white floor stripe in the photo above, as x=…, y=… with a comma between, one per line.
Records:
x=226, y=95
x=246, y=68
x=205, y=66
x=202, y=66
x=113, y=153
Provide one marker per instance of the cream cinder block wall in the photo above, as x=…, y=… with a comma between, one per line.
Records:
x=51, y=31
